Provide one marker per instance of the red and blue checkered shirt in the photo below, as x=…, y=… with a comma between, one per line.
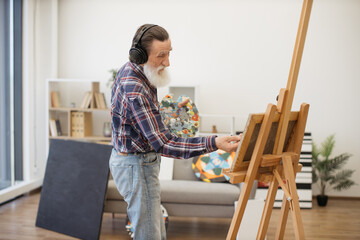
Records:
x=136, y=121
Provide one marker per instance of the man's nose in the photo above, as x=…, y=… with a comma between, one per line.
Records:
x=166, y=62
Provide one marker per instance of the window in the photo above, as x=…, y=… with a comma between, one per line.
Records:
x=10, y=92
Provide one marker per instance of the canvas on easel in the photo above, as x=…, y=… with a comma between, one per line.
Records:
x=270, y=148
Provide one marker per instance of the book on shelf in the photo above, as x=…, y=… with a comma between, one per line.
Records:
x=97, y=100
x=86, y=100
x=52, y=125
x=55, y=128
x=58, y=127
x=100, y=100
x=55, y=99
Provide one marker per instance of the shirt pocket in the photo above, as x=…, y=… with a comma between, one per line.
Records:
x=123, y=178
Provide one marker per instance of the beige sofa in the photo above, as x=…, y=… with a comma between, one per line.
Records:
x=185, y=195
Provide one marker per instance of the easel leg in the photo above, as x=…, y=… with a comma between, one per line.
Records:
x=269, y=204
x=240, y=209
x=294, y=204
x=252, y=171
x=283, y=219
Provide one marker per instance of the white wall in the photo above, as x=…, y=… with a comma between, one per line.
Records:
x=237, y=52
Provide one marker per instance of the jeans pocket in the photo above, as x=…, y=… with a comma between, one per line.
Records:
x=123, y=177
x=150, y=159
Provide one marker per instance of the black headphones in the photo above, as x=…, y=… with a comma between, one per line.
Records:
x=137, y=52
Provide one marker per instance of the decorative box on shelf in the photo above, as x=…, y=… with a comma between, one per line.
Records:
x=81, y=124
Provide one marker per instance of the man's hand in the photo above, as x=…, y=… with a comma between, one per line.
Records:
x=228, y=143
x=183, y=103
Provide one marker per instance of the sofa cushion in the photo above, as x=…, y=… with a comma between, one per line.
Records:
x=199, y=210
x=112, y=192
x=196, y=192
x=208, y=167
x=183, y=170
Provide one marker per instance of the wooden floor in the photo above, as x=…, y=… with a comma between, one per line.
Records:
x=339, y=220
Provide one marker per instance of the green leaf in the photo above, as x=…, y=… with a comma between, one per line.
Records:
x=342, y=176
x=315, y=153
x=337, y=162
x=327, y=146
x=344, y=185
x=322, y=167
x=314, y=176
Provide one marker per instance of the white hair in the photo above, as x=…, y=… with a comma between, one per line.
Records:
x=156, y=77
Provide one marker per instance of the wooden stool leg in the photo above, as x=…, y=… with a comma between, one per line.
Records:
x=269, y=203
x=294, y=204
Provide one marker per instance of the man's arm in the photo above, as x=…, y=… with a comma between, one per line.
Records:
x=226, y=143
x=149, y=121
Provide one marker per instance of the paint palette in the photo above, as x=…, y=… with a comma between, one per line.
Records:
x=184, y=121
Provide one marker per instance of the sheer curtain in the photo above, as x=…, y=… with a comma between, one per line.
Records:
x=5, y=156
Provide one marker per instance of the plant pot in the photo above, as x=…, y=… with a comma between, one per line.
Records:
x=322, y=200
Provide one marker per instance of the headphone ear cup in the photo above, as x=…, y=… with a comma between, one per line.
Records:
x=138, y=55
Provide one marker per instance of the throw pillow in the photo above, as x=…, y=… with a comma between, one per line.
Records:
x=208, y=167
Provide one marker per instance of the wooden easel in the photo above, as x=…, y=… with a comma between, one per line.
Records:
x=270, y=148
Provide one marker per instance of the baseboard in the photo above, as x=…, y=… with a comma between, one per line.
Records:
x=341, y=198
x=19, y=189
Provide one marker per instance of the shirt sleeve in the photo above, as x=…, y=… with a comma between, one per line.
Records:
x=148, y=119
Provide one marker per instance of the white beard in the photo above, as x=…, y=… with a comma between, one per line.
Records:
x=155, y=78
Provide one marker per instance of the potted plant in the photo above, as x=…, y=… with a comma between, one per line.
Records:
x=112, y=78
x=327, y=171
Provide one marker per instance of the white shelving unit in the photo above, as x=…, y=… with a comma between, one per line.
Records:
x=71, y=93
x=225, y=124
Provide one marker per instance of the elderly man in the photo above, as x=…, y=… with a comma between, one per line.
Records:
x=139, y=136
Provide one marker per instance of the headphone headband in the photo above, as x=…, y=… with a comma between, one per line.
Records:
x=137, y=40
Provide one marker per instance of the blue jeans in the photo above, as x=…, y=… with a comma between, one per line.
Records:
x=137, y=178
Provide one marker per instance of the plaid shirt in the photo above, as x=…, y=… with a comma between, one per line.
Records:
x=136, y=121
